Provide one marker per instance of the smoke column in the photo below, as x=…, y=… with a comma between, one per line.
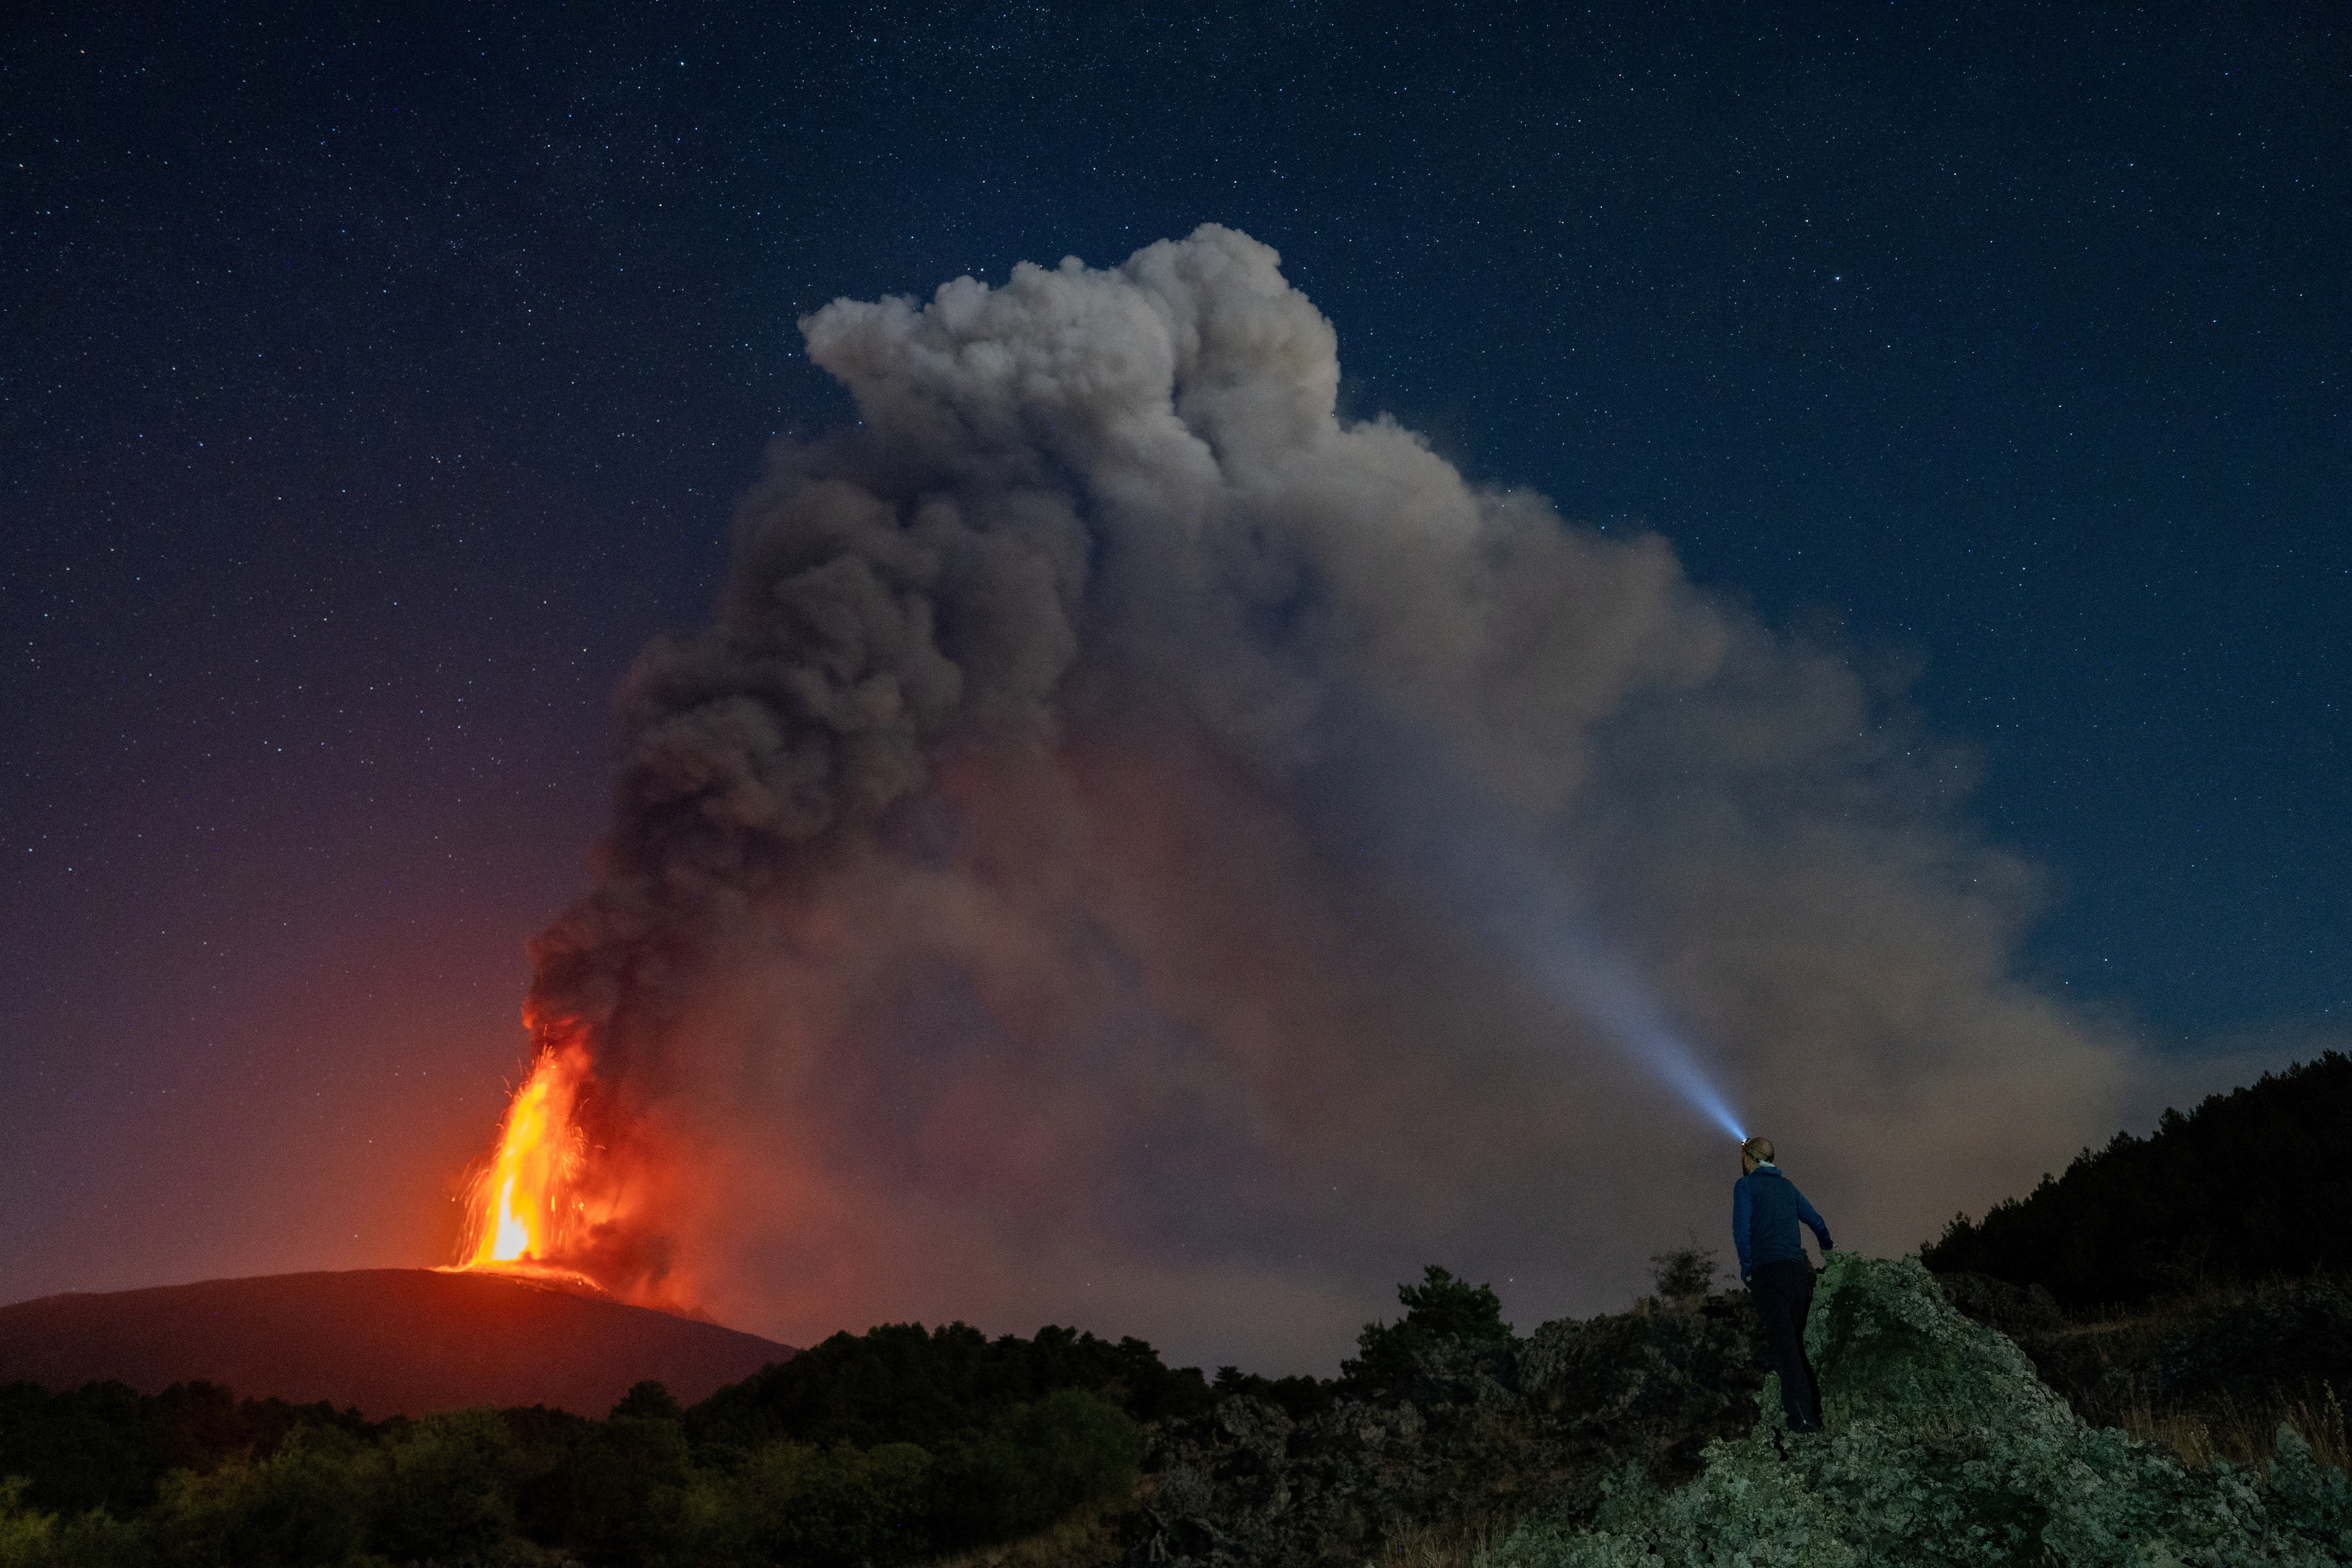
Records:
x=1066, y=879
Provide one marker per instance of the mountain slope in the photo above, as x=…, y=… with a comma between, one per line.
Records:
x=391, y=1340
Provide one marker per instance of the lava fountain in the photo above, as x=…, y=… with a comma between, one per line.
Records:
x=532, y=1209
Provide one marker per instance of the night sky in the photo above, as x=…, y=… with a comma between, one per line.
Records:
x=372, y=389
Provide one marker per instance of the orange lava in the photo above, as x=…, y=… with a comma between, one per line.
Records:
x=529, y=1205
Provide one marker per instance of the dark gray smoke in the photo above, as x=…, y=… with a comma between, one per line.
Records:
x=1042, y=892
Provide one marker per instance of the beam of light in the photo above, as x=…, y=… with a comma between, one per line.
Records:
x=1575, y=970
x=1419, y=818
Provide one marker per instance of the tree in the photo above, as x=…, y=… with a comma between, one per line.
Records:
x=1682, y=1271
x=1441, y=1311
x=2249, y=1183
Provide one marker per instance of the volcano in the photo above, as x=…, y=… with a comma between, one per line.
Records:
x=404, y=1341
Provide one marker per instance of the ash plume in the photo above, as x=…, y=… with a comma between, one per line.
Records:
x=1099, y=862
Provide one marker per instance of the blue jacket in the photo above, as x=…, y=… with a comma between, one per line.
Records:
x=1764, y=1208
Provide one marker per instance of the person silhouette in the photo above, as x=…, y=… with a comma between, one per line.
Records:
x=1766, y=1208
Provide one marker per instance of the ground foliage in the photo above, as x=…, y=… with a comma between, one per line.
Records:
x=1631, y=1438
x=1941, y=1448
x=901, y=1383
x=2212, y=1373
x=882, y=1448
x=1446, y=1423
x=105, y=1446
x=2249, y=1185
x=902, y=1444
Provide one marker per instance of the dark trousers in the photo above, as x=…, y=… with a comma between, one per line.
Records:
x=1783, y=1293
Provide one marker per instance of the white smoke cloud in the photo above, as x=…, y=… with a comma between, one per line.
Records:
x=1097, y=866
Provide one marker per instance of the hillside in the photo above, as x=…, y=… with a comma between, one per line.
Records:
x=392, y=1341
x=2251, y=1183
x=1626, y=1438
x=1943, y=1449
x=813, y=1461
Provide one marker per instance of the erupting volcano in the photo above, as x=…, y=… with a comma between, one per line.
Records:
x=1118, y=804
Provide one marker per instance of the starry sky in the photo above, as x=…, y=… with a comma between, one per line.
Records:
x=373, y=387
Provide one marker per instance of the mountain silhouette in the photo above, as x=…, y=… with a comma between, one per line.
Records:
x=406, y=1341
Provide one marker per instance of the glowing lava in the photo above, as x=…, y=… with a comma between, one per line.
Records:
x=529, y=1207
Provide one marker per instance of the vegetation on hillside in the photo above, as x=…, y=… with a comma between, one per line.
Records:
x=2253, y=1184
x=1446, y=1429
x=879, y=1449
x=904, y=1444
x=901, y=1383
x=1942, y=1448
x=1633, y=1434
x=2211, y=1373
x=2141, y=1362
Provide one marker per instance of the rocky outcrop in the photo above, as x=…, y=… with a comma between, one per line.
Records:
x=1942, y=1448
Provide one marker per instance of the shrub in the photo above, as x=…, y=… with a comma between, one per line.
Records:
x=32, y=1539
x=1441, y=1314
x=901, y=1382
x=309, y=1503
x=831, y=1507
x=447, y=1482
x=1682, y=1272
x=1043, y=1460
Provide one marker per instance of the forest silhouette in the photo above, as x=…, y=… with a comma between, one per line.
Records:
x=2254, y=1183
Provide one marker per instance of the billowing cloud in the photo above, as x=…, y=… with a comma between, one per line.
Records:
x=1137, y=849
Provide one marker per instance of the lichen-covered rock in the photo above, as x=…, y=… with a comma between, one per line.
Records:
x=1943, y=1449
x=1885, y=1342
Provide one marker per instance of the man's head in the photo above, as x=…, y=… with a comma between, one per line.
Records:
x=1754, y=1153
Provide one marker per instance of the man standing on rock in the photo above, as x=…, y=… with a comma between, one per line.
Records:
x=1764, y=1208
